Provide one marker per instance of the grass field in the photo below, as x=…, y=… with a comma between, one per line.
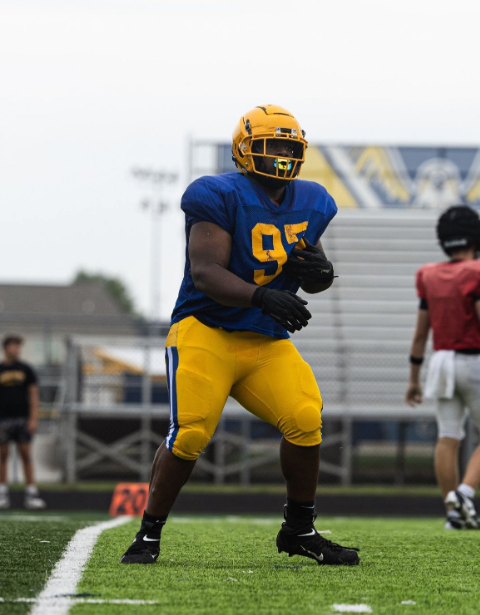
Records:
x=227, y=566
x=31, y=544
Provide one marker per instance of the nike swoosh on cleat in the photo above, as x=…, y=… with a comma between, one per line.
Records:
x=312, y=533
x=319, y=558
x=146, y=539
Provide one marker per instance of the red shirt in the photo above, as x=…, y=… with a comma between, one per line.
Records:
x=450, y=290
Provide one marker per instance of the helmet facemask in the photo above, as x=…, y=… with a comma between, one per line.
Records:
x=268, y=162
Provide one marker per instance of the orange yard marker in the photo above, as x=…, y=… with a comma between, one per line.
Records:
x=129, y=499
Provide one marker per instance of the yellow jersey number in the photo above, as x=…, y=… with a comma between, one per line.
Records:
x=277, y=253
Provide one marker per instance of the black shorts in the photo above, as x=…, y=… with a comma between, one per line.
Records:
x=14, y=430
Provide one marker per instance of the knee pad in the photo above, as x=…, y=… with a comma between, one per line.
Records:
x=189, y=442
x=303, y=424
x=303, y=427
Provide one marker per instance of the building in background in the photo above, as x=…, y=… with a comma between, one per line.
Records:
x=47, y=317
x=47, y=314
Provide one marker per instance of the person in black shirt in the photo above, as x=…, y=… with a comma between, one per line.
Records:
x=18, y=418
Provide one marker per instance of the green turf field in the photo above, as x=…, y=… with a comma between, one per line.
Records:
x=31, y=544
x=226, y=566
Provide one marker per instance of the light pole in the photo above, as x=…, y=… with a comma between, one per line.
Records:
x=158, y=179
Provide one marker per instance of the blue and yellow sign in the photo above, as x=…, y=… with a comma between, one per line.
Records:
x=372, y=176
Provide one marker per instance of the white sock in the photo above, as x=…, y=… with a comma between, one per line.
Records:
x=467, y=491
x=31, y=490
x=3, y=489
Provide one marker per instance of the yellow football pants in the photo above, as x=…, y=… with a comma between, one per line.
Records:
x=266, y=376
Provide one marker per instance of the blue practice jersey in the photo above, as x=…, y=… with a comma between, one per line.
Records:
x=263, y=234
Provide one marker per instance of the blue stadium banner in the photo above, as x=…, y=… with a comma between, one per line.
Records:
x=379, y=176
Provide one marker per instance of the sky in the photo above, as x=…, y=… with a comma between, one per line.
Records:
x=90, y=89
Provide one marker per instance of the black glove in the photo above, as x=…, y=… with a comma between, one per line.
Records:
x=310, y=264
x=283, y=306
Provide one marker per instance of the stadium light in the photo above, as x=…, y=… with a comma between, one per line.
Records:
x=157, y=206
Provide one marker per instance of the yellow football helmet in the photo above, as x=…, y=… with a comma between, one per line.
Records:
x=250, y=136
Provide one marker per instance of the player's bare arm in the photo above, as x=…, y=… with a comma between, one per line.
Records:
x=414, y=394
x=209, y=249
x=477, y=309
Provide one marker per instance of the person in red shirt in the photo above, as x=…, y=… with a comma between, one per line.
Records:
x=449, y=295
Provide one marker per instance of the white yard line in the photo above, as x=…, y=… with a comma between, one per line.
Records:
x=72, y=601
x=352, y=608
x=55, y=599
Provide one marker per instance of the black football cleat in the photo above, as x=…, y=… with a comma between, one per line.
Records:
x=309, y=543
x=143, y=550
x=454, y=521
x=455, y=501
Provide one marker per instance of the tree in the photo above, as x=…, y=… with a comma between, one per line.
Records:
x=116, y=288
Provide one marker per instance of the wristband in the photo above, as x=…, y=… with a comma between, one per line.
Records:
x=416, y=360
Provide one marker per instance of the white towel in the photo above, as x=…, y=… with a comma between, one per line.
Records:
x=440, y=382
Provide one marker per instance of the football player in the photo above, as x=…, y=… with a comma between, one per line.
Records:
x=253, y=238
x=449, y=295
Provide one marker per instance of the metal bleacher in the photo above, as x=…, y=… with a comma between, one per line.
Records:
x=359, y=336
